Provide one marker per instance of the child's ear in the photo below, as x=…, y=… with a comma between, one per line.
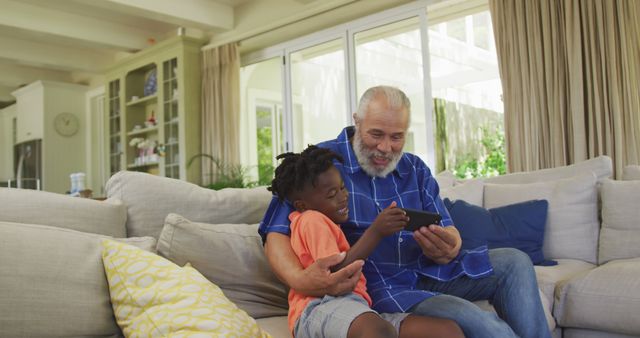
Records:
x=299, y=205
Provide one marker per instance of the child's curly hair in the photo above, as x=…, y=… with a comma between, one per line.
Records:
x=297, y=170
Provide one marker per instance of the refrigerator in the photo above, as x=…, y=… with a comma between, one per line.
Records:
x=27, y=161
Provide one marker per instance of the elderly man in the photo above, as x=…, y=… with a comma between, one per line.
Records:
x=423, y=272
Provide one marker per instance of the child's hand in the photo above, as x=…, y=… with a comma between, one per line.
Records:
x=391, y=220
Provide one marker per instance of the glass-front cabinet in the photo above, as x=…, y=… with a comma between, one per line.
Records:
x=115, y=141
x=154, y=110
x=171, y=119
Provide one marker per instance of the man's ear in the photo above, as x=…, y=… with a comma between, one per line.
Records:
x=299, y=205
x=356, y=120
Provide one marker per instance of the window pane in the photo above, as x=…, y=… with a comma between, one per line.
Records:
x=318, y=90
x=466, y=87
x=392, y=55
x=261, y=138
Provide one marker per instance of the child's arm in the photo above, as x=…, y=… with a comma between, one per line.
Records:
x=389, y=221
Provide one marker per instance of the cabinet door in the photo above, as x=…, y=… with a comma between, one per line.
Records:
x=114, y=127
x=171, y=119
x=30, y=108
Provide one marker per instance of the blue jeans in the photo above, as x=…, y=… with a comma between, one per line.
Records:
x=512, y=289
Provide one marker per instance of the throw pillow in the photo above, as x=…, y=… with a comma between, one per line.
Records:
x=47, y=208
x=572, y=225
x=232, y=257
x=601, y=166
x=52, y=282
x=631, y=172
x=620, y=233
x=150, y=198
x=154, y=297
x=519, y=225
x=471, y=191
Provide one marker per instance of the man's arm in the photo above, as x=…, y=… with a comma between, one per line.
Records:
x=316, y=280
x=440, y=244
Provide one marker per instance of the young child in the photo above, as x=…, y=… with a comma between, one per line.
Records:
x=311, y=183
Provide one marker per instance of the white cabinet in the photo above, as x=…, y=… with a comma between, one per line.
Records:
x=40, y=107
x=153, y=103
x=7, y=123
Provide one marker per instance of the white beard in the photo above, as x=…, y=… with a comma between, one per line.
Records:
x=364, y=158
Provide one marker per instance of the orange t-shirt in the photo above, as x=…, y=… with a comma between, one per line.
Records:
x=313, y=236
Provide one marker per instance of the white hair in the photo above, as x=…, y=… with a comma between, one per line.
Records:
x=396, y=99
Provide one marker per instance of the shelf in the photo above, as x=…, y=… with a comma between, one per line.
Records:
x=143, y=101
x=153, y=129
x=144, y=165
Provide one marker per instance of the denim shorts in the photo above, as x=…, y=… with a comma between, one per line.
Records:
x=332, y=316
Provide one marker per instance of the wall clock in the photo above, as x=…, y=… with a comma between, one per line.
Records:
x=66, y=124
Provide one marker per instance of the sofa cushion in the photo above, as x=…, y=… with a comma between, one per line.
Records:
x=471, y=191
x=519, y=225
x=620, y=233
x=631, y=172
x=601, y=166
x=154, y=297
x=549, y=276
x=276, y=326
x=572, y=223
x=232, y=257
x=580, y=333
x=46, y=208
x=149, y=199
x=606, y=298
x=446, y=179
x=53, y=283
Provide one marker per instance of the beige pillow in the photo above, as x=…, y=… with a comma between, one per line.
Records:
x=470, y=191
x=620, y=232
x=631, y=172
x=232, y=257
x=46, y=208
x=601, y=166
x=572, y=220
x=149, y=199
x=445, y=179
x=52, y=282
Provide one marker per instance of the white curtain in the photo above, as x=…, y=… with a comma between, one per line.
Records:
x=570, y=78
x=220, y=108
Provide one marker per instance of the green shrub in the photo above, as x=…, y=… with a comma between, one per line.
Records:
x=491, y=163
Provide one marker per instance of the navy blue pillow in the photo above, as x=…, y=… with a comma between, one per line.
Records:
x=519, y=225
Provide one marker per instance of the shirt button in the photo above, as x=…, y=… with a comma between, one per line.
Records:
x=400, y=240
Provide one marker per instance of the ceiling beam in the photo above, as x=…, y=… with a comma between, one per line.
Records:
x=52, y=56
x=88, y=30
x=202, y=14
x=14, y=75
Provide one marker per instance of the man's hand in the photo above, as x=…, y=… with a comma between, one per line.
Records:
x=440, y=244
x=318, y=280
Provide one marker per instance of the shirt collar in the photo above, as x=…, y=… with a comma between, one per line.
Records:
x=351, y=164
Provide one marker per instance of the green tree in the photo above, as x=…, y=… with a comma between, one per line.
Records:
x=491, y=163
x=265, y=150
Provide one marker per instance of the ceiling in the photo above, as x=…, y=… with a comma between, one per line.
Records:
x=76, y=40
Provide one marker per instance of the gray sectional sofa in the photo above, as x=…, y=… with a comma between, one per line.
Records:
x=52, y=281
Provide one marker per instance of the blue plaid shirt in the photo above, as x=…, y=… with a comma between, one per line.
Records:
x=394, y=267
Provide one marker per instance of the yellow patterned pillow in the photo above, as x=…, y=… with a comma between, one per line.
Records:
x=153, y=297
